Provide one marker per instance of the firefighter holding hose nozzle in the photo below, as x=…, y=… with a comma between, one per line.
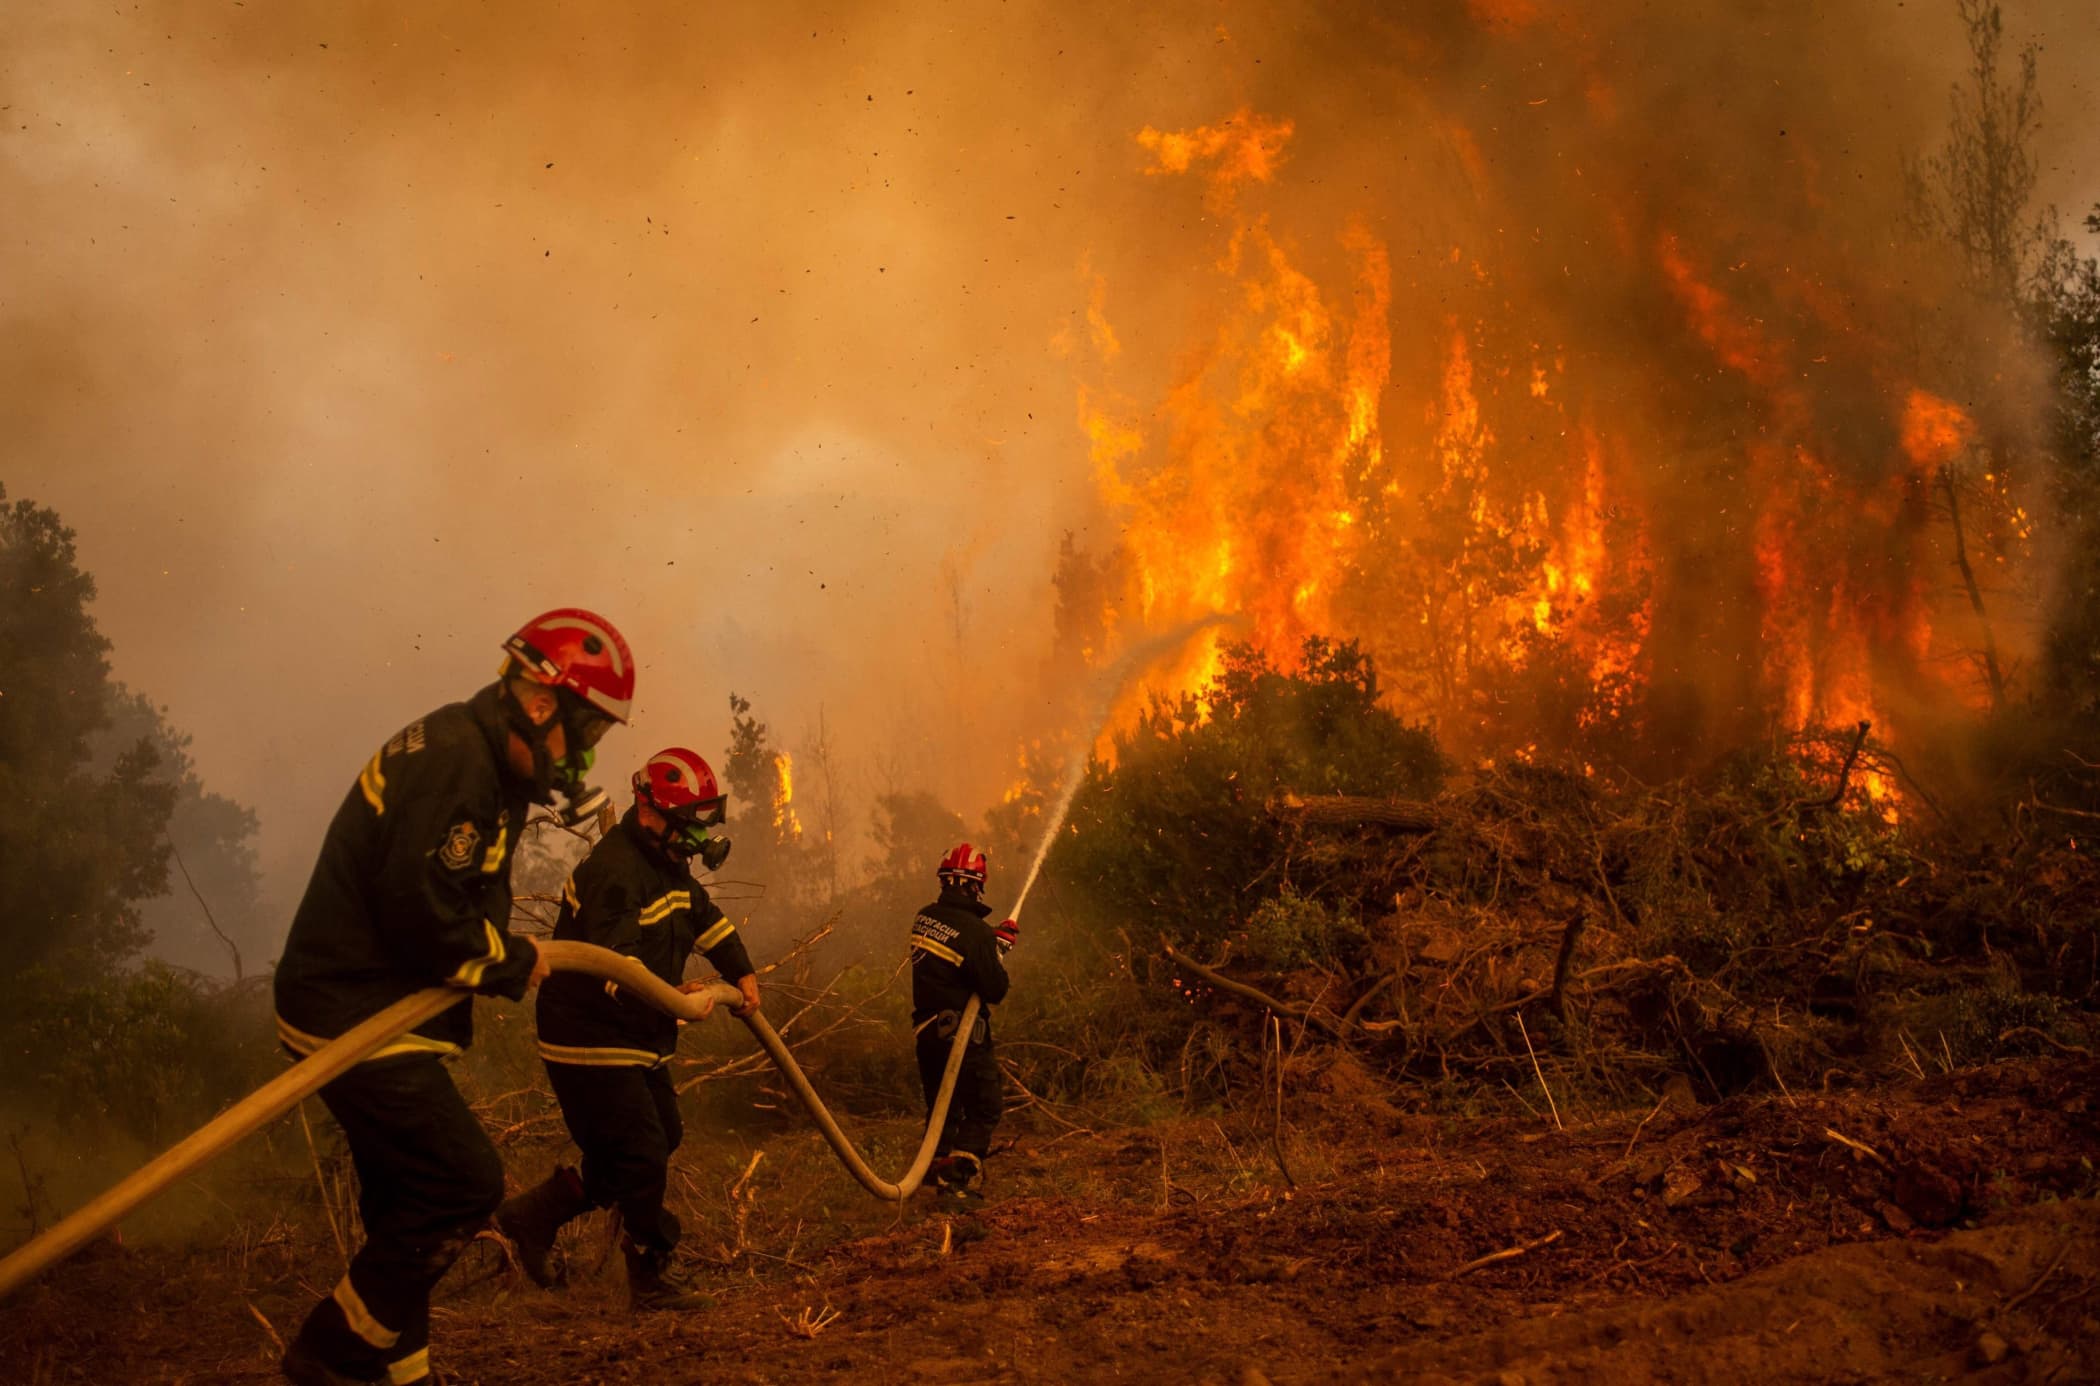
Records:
x=607, y=1053
x=955, y=955
x=412, y=890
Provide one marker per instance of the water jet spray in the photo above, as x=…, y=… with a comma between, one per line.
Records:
x=1108, y=687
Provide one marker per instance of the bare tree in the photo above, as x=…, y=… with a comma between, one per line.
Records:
x=1976, y=191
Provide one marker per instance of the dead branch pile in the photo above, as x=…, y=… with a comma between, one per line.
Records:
x=1793, y=917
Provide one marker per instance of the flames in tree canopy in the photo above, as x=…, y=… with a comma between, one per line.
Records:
x=1709, y=492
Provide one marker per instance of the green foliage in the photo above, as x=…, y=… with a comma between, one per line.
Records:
x=1094, y=1032
x=1735, y=859
x=1289, y=931
x=151, y=1052
x=1179, y=824
x=80, y=844
x=2070, y=320
x=1977, y=1021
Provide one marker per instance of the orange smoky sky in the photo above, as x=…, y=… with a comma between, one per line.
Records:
x=346, y=336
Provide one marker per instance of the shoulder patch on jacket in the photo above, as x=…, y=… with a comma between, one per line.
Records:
x=457, y=851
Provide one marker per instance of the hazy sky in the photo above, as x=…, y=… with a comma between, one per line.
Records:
x=346, y=336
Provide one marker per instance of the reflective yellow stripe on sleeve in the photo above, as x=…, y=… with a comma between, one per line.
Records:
x=492, y=860
x=722, y=929
x=664, y=906
x=360, y=1318
x=469, y=974
x=373, y=783
x=939, y=950
x=568, y=894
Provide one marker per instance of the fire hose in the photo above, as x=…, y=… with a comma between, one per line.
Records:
x=333, y=1059
x=310, y=1074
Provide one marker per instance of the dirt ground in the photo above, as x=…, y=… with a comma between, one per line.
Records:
x=1947, y=1228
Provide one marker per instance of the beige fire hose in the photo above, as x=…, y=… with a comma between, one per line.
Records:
x=310, y=1074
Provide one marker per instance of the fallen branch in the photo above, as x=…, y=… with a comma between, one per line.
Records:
x=1349, y=810
x=2062, y=809
x=738, y=1187
x=1629, y=1266
x=2022, y=1031
x=1551, y=1105
x=320, y=1184
x=267, y=1326
x=1036, y=1100
x=1356, y=1007
x=1303, y=1014
x=2021, y=1298
x=756, y=1063
x=810, y=1323
x=1276, y=1127
x=1627, y=1153
x=1862, y=1147
x=1510, y=1253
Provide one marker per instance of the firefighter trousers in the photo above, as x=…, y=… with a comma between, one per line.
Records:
x=626, y=1122
x=979, y=1091
x=427, y=1179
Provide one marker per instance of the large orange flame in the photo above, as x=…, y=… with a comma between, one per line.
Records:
x=1499, y=556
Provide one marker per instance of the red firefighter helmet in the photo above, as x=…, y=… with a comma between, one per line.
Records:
x=578, y=650
x=964, y=865
x=678, y=784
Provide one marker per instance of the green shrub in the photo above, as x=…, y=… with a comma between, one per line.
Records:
x=153, y=1052
x=1179, y=824
x=1289, y=931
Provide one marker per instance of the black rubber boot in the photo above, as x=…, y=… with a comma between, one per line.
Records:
x=302, y=1366
x=653, y=1283
x=535, y=1217
x=956, y=1177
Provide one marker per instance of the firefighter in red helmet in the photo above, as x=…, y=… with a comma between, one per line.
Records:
x=412, y=890
x=955, y=955
x=607, y=1053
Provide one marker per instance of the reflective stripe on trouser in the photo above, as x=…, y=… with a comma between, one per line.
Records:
x=405, y=1371
x=626, y=1122
x=427, y=1180
x=979, y=1092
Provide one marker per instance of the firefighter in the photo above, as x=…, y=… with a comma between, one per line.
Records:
x=412, y=890
x=607, y=1053
x=955, y=955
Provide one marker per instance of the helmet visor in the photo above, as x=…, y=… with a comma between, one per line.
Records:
x=585, y=723
x=706, y=813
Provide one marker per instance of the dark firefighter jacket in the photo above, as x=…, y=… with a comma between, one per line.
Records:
x=953, y=957
x=630, y=896
x=412, y=888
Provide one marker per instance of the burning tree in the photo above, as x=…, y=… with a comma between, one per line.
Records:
x=764, y=822
x=1679, y=470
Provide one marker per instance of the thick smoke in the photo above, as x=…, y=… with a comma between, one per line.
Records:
x=347, y=336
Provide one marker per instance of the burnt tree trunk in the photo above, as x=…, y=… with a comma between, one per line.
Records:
x=1349, y=810
x=1968, y=578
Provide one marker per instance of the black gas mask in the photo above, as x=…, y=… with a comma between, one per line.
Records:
x=583, y=726
x=687, y=834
